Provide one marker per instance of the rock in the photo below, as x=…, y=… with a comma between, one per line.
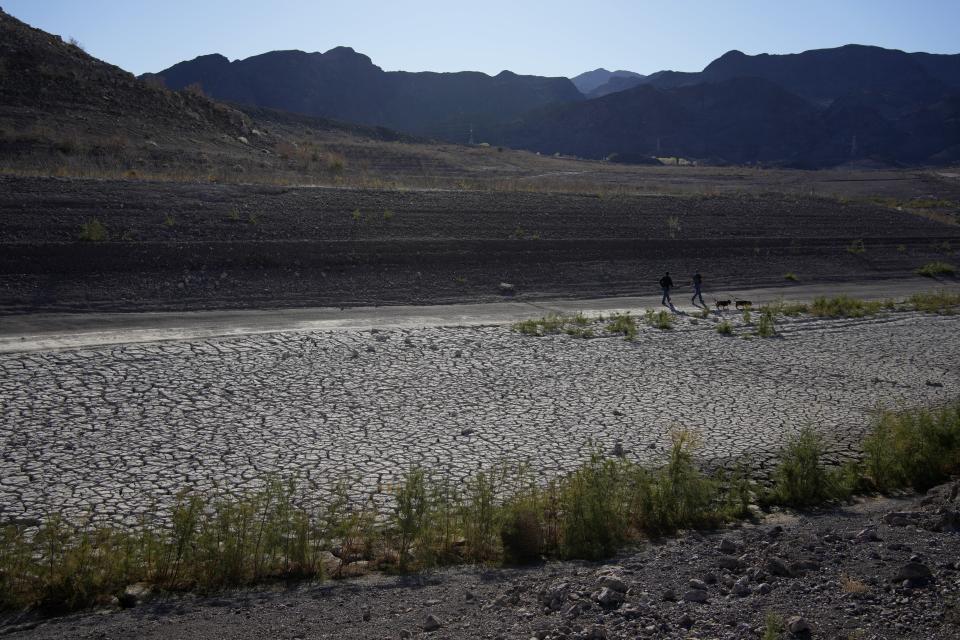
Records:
x=763, y=588
x=727, y=546
x=867, y=535
x=630, y=612
x=797, y=625
x=432, y=623
x=775, y=531
x=741, y=587
x=466, y=432
x=366, y=615
x=618, y=450
x=949, y=521
x=685, y=621
x=730, y=563
x=554, y=595
x=133, y=595
x=914, y=572
x=778, y=567
x=695, y=595
x=404, y=634
x=670, y=595
x=902, y=518
x=698, y=584
x=597, y=632
x=614, y=582
x=608, y=598
x=507, y=289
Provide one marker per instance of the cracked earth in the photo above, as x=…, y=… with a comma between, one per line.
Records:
x=115, y=432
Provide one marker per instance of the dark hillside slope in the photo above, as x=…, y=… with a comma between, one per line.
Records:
x=344, y=84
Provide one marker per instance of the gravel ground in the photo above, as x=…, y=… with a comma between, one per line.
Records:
x=117, y=431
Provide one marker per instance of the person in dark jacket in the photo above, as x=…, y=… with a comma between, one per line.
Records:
x=666, y=283
x=697, y=283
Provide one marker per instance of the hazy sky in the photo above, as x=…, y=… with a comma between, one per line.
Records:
x=556, y=38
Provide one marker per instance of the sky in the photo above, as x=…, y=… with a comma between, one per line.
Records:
x=551, y=38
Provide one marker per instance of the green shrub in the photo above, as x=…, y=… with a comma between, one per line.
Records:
x=935, y=302
x=938, y=268
x=679, y=495
x=592, y=521
x=725, y=328
x=93, y=231
x=766, y=328
x=623, y=323
x=844, y=307
x=659, y=319
x=791, y=276
x=800, y=479
x=918, y=448
x=781, y=308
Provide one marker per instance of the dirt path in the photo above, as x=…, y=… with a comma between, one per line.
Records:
x=40, y=332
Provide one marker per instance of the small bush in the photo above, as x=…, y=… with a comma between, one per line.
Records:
x=169, y=221
x=935, y=302
x=659, y=319
x=673, y=226
x=800, y=480
x=747, y=316
x=623, y=323
x=767, y=327
x=791, y=276
x=918, y=448
x=857, y=248
x=938, y=268
x=725, y=328
x=93, y=231
x=773, y=626
x=387, y=215
x=844, y=307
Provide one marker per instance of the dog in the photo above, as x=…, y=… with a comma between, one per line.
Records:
x=743, y=304
x=722, y=304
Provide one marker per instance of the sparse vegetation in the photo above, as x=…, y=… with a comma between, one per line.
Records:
x=781, y=308
x=169, y=221
x=659, y=319
x=624, y=324
x=387, y=215
x=673, y=226
x=725, y=328
x=773, y=626
x=801, y=480
x=747, y=316
x=791, y=276
x=935, y=302
x=857, y=247
x=93, y=231
x=766, y=327
x=938, y=268
x=844, y=307
x=498, y=515
x=915, y=448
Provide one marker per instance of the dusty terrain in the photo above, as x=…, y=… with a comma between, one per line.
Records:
x=188, y=246
x=880, y=569
x=116, y=431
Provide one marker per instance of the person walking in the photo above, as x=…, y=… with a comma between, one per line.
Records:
x=697, y=283
x=666, y=283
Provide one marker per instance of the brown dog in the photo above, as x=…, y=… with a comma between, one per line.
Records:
x=722, y=304
x=743, y=304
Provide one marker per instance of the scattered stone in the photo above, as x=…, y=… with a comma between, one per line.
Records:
x=727, y=546
x=698, y=584
x=614, y=582
x=695, y=595
x=507, y=289
x=670, y=595
x=686, y=621
x=133, y=595
x=763, y=588
x=741, y=587
x=609, y=598
x=432, y=623
x=915, y=572
x=778, y=567
x=730, y=563
x=798, y=625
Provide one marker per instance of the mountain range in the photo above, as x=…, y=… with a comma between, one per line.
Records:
x=813, y=109
x=344, y=84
